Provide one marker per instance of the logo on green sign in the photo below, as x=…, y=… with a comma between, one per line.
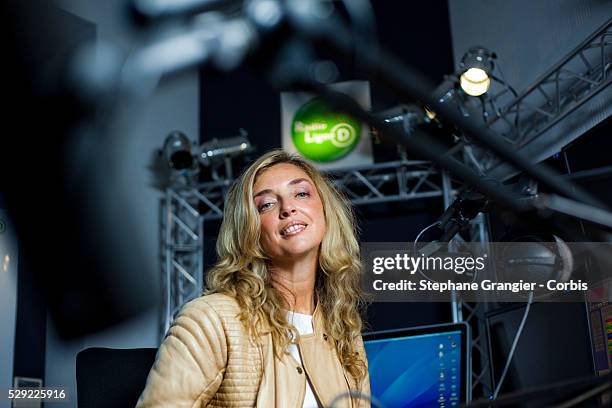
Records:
x=323, y=135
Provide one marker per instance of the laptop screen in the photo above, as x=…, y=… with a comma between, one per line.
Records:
x=417, y=368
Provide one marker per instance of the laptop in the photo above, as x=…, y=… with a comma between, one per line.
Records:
x=427, y=366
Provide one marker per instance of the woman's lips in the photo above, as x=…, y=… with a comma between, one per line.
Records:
x=293, y=229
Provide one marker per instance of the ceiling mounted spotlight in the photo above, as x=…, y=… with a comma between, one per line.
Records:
x=177, y=151
x=476, y=66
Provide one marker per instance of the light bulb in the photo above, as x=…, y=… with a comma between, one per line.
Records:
x=475, y=81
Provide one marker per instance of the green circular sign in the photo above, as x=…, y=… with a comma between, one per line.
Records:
x=323, y=135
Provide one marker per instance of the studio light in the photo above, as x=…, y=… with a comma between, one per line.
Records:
x=476, y=65
x=177, y=151
x=219, y=149
x=475, y=82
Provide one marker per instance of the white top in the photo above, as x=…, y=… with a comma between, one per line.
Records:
x=303, y=324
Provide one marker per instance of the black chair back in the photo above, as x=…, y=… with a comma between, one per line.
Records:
x=112, y=377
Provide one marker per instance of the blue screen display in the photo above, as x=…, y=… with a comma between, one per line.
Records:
x=416, y=371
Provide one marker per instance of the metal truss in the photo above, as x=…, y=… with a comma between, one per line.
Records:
x=391, y=181
x=182, y=253
x=482, y=374
x=569, y=84
x=474, y=313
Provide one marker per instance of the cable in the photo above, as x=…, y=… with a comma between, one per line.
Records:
x=425, y=229
x=416, y=240
x=357, y=395
x=569, y=172
x=513, y=348
x=415, y=251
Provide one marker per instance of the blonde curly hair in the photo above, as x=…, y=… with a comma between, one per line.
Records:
x=241, y=270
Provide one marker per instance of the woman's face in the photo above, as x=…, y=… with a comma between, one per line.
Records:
x=290, y=211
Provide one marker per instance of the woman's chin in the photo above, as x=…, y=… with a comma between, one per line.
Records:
x=299, y=251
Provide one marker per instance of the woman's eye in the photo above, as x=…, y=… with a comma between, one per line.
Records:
x=265, y=206
x=302, y=194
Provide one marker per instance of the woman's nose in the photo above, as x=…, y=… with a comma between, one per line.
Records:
x=287, y=210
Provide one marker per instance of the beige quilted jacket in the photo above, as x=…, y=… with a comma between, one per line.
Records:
x=208, y=360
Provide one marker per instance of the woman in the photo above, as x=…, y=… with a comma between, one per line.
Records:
x=280, y=323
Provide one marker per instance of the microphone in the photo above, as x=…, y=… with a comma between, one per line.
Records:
x=459, y=214
x=457, y=217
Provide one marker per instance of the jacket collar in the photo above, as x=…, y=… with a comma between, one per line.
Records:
x=318, y=325
x=317, y=319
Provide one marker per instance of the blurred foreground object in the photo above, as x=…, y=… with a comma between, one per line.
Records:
x=61, y=184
